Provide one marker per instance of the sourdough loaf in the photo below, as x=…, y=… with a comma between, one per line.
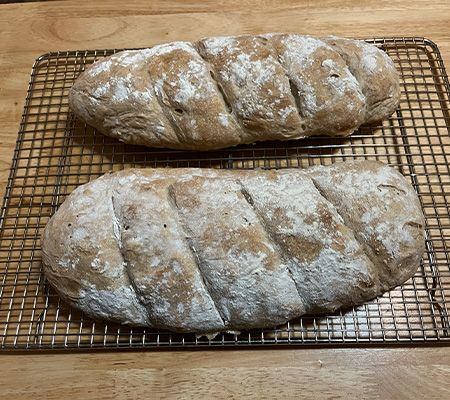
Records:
x=197, y=250
x=224, y=91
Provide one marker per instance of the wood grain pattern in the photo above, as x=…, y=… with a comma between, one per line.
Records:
x=30, y=29
x=247, y=374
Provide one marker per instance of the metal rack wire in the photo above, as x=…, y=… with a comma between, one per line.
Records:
x=55, y=153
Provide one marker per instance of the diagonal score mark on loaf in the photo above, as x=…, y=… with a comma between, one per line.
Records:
x=292, y=87
x=296, y=55
x=280, y=248
x=117, y=233
x=359, y=78
x=329, y=266
x=385, y=214
x=221, y=91
x=172, y=201
x=368, y=251
x=165, y=110
x=361, y=59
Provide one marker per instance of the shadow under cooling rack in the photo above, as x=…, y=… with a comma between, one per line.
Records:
x=55, y=153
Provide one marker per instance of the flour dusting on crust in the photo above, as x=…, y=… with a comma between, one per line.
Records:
x=176, y=94
x=211, y=250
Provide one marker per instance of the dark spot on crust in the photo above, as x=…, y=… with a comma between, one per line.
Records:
x=165, y=225
x=247, y=197
x=296, y=96
x=414, y=224
x=179, y=111
x=392, y=187
x=225, y=98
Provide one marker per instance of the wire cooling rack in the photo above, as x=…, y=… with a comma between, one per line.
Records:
x=55, y=153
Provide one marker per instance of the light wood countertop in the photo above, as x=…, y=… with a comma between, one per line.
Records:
x=29, y=29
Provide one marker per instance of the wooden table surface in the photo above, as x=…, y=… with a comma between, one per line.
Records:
x=30, y=29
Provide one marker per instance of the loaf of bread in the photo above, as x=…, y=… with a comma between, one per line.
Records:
x=224, y=91
x=195, y=250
